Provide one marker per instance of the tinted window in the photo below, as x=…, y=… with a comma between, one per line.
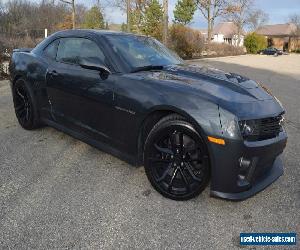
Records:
x=51, y=49
x=71, y=50
x=139, y=51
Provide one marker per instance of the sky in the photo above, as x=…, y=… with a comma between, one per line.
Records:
x=278, y=11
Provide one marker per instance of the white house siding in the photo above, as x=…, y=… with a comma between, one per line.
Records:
x=235, y=40
x=218, y=38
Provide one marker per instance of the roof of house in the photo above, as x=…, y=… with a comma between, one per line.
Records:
x=228, y=29
x=284, y=29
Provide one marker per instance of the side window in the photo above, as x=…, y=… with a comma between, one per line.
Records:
x=71, y=50
x=51, y=49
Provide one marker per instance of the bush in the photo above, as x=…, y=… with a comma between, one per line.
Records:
x=187, y=42
x=254, y=42
x=223, y=49
x=3, y=75
x=296, y=51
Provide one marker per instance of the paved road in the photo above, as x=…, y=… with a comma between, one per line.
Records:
x=57, y=192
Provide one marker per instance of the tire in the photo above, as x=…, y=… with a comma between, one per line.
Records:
x=25, y=105
x=176, y=159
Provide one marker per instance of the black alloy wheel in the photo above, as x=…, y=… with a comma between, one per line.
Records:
x=24, y=105
x=176, y=159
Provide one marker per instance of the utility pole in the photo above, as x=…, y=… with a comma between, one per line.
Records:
x=72, y=3
x=165, y=22
x=73, y=14
x=128, y=15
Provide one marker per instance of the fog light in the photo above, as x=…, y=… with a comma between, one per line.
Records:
x=244, y=163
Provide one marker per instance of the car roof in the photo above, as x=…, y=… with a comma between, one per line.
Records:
x=92, y=31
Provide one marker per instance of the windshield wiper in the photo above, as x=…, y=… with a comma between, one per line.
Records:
x=147, y=67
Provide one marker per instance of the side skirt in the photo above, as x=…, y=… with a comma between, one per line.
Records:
x=132, y=160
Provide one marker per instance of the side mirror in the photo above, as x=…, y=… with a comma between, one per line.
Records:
x=95, y=64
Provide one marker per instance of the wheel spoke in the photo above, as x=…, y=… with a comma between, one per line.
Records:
x=193, y=160
x=19, y=94
x=22, y=112
x=173, y=140
x=190, y=149
x=184, y=179
x=190, y=170
x=163, y=150
x=165, y=173
x=159, y=160
x=181, y=142
x=172, y=179
x=19, y=107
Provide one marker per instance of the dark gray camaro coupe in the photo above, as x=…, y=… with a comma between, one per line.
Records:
x=130, y=96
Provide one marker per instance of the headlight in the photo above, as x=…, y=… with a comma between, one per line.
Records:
x=231, y=128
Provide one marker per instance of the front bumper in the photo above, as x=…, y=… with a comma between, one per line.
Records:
x=231, y=181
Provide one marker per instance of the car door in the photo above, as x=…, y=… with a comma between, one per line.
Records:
x=81, y=100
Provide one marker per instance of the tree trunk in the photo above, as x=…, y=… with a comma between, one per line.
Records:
x=165, y=22
x=209, y=28
x=73, y=14
x=128, y=15
x=289, y=44
x=239, y=37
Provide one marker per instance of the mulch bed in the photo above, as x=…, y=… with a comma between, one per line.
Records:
x=3, y=77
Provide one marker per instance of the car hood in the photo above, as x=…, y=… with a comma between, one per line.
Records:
x=210, y=82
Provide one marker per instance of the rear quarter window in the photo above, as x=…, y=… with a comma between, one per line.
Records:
x=51, y=50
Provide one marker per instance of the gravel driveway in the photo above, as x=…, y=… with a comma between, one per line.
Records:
x=57, y=192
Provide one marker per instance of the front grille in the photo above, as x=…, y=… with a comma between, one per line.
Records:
x=262, y=129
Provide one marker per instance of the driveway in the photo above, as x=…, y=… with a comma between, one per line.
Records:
x=58, y=192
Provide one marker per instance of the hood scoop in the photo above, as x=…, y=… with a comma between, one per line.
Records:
x=241, y=80
x=196, y=71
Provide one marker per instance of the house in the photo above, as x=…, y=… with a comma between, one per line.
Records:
x=281, y=36
x=227, y=32
x=203, y=33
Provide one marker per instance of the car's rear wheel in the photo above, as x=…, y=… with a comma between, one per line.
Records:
x=176, y=159
x=25, y=106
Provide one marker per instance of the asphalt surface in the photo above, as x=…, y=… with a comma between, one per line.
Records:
x=59, y=193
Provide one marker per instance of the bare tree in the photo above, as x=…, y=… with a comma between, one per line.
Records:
x=295, y=19
x=210, y=10
x=238, y=13
x=23, y=23
x=72, y=3
x=256, y=19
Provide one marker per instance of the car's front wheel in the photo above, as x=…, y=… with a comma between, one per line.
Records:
x=176, y=159
x=25, y=106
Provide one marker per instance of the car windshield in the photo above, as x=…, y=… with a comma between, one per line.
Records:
x=142, y=51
